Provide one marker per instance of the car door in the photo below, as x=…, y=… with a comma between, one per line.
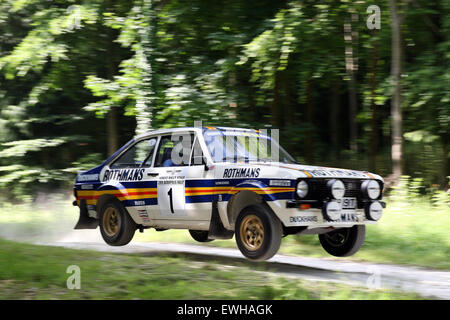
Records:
x=169, y=174
x=200, y=185
x=127, y=177
x=173, y=170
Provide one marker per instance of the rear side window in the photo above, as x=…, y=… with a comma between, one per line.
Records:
x=139, y=155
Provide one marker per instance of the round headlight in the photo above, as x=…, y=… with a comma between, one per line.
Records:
x=332, y=211
x=302, y=189
x=371, y=189
x=337, y=189
x=374, y=211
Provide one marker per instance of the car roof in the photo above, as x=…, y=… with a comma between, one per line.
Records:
x=197, y=129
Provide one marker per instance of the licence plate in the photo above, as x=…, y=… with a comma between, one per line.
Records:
x=348, y=203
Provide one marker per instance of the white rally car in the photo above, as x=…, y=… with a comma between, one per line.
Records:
x=219, y=182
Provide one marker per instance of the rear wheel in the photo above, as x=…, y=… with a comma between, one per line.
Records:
x=343, y=242
x=116, y=226
x=258, y=233
x=200, y=235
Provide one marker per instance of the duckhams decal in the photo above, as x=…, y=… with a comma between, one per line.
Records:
x=241, y=173
x=302, y=219
x=124, y=175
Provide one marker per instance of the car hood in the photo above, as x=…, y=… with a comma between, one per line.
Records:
x=299, y=170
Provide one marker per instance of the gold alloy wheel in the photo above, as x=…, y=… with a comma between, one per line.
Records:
x=111, y=221
x=252, y=232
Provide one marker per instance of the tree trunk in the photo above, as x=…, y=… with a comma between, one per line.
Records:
x=351, y=38
x=111, y=125
x=446, y=164
x=111, y=117
x=275, y=105
x=335, y=105
x=146, y=57
x=396, y=111
x=288, y=110
x=373, y=121
x=309, y=119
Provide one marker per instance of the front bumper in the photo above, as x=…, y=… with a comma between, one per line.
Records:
x=318, y=204
x=310, y=213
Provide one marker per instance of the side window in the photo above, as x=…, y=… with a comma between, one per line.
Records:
x=197, y=154
x=174, y=150
x=139, y=155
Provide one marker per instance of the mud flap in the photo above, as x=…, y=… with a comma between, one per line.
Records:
x=216, y=228
x=85, y=222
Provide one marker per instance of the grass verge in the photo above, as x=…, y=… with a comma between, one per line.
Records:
x=39, y=272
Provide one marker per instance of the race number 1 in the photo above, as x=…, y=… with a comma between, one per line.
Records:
x=170, y=200
x=171, y=197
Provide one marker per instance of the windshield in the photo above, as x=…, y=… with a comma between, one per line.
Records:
x=244, y=146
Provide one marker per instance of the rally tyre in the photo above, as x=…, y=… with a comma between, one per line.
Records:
x=116, y=226
x=258, y=233
x=343, y=242
x=200, y=236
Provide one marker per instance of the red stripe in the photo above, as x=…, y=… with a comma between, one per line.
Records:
x=206, y=190
x=118, y=193
x=138, y=193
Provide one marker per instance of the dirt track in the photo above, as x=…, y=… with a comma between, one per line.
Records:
x=427, y=283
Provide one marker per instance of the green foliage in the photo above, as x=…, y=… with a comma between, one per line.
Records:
x=20, y=148
x=65, y=65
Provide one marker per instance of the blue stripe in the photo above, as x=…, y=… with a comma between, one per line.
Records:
x=148, y=202
x=193, y=183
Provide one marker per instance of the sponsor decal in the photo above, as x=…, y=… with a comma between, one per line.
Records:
x=87, y=177
x=241, y=173
x=303, y=219
x=144, y=215
x=336, y=173
x=226, y=182
x=171, y=180
x=124, y=175
x=280, y=183
x=87, y=186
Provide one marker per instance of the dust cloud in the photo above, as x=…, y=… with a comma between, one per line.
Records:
x=48, y=218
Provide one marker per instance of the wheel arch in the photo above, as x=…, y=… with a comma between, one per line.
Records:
x=109, y=192
x=245, y=195
x=102, y=200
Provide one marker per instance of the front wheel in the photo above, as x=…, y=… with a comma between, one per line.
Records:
x=258, y=233
x=116, y=226
x=343, y=242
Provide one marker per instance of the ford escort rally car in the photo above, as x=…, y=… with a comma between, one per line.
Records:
x=218, y=182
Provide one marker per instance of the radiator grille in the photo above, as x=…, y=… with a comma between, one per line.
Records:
x=319, y=190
